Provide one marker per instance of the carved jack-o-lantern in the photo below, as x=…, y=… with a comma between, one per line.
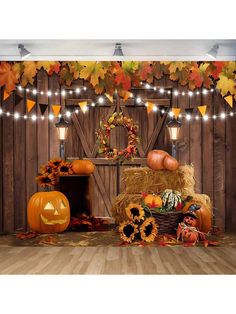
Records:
x=48, y=212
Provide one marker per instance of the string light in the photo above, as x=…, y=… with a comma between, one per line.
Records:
x=41, y=93
x=8, y=114
x=34, y=118
x=34, y=91
x=205, y=117
x=51, y=117
x=0, y=111
x=77, y=90
x=188, y=117
x=162, y=90
x=93, y=104
x=42, y=117
x=155, y=108
x=190, y=93
x=176, y=93
x=76, y=111
x=214, y=116
x=101, y=100
x=25, y=117
x=49, y=93
x=63, y=93
x=147, y=86
x=231, y=114
x=222, y=115
x=70, y=92
x=205, y=92
x=197, y=117
x=138, y=100
x=183, y=94
x=84, y=88
x=68, y=114
x=16, y=115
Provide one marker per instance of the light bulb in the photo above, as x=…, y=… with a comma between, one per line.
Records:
x=42, y=117
x=205, y=117
x=63, y=92
x=51, y=117
x=161, y=90
x=34, y=92
x=0, y=111
x=27, y=90
x=76, y=111
x=197, y=117
x=56, y=93
x=197, y=92
x=77, y=90
x=188, y=117
x=154, y=88
x=16, y=115
x=180, y=115
x=155, y=108
x=84, y=88
x=93, y=104
x=168, y=92
x=205, y=92
x=190, y=93
x=176, y=93
x=212, y=90
x=20, y=88
x=147, y=86
x=70, y=92
x=25, y=117
x=162, y=111
x=138, y=100
x=34, y=118
x=183, y=93
x=41, y=93
x=231, y=114
x=100, y=100
x=68, y=114
x=59, y=116
x=171, y=114
x=222, y=115
x=214, y=116
x=49, y=93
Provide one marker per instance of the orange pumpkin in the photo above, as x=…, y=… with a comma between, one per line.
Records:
x=204, y=216
x=170, y=163
x=190, y=221
x=153, y=201
x=155, y=159
x=48, y=212
x=83, y=167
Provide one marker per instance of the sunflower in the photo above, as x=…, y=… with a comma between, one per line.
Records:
x=46, y=179
x=135, y=212
x=148, y=230
x=65, y=168
x=128, y=230
x=55, y=163
x=47, y=168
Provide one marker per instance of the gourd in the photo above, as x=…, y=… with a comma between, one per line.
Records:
x=153, y=201
x=171, y=199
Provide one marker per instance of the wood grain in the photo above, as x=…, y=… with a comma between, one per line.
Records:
x=118, y=260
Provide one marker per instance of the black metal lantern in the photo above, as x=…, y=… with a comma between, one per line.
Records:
x=62, y=130
x=174, y=128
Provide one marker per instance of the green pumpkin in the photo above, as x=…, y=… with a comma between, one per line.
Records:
x=171, y=199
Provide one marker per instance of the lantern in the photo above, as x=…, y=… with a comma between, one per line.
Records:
x=174, y=128
x=62, y=129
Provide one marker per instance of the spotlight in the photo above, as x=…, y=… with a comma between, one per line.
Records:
x=24, y=53
x=118, y=50
x=212, y=53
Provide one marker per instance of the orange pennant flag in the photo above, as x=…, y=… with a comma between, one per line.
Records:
x=83, y=106
x=229, y=100
x=176, y=112
x=109, y=97
x=5, y=95
x=30, y=104
x=149, y=106
x=56, y=110
x=202, y=110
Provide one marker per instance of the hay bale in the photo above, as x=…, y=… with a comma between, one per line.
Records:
x=142, y=179
x=124, y=199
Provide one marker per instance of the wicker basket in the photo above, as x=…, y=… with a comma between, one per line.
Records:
x=167, y=222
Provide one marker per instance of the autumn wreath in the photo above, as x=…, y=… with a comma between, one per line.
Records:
x=103, y=134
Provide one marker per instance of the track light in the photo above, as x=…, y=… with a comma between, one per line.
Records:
x=212, y=53
x=118, y=50
x=24, y=53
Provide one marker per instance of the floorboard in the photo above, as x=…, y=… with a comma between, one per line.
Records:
x=118, y=260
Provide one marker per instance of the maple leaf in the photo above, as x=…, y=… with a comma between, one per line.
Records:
x=159, y=69
x=8, y=77
x=65, y=76
x=145, y=70
x=18, y=69
x=123, y=79
x=93, y=71
x=217, y=68
x=200, y=75
x=174, y=66
x=229, y=69
x=75, y=68
x=226, y=85
x=49, y=66
x=30, y=70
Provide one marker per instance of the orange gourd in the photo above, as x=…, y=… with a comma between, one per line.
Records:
x=48, y=212
x=170, y=163
x=204, y=216
x=155, y=159
x=85, y=167
x=153, y=201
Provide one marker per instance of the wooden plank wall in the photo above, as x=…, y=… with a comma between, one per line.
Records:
x=25, y=145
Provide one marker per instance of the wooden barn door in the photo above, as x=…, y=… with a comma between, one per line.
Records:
x=107, y=175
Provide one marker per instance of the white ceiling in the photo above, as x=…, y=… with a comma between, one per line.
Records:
x=132, y=49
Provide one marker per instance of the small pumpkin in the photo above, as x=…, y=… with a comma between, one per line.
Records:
x=190, y=221
x=83, y=166
x=203, y=213
x=48, y=212
x=153, y=201
x=188, y=235
x=155, y=159
x=170, y=163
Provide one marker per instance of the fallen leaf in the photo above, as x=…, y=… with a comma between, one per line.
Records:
x=226, y=85
x=29, y=73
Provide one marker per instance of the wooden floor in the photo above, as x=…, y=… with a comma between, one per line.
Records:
x=117, y=260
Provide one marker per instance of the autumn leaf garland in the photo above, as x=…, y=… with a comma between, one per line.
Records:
x=110, y=76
